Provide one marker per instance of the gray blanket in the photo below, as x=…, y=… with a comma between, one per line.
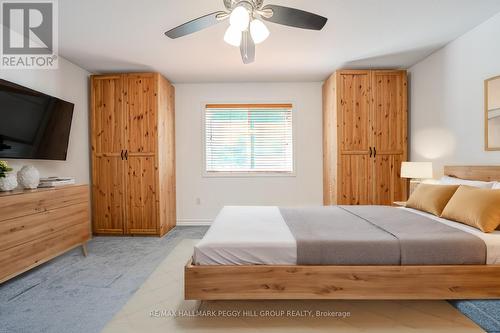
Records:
x=378, y=235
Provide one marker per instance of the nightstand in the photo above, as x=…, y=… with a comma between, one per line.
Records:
x=399, y=204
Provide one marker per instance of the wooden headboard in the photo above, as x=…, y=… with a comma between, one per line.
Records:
x=483, y=172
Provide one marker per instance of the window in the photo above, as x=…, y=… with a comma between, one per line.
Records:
x=250, y=138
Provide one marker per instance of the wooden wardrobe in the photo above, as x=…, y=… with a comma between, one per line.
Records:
x=133, y=154
x=365, y=120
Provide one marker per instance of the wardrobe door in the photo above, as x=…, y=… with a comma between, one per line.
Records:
x=141, y=110
x=388, y=185
x=354, y=137
x=142, y=213
x=355, y=184
x=141, y=133
x=353, y=105
x=108, y=121
x=108, y=195
x=390, y=112
x=389, y=132
x=107, y=127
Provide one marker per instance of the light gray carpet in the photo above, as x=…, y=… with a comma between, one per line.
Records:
x=76, y=294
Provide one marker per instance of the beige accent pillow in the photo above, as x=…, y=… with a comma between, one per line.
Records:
x=479, y=208
x=431, y=198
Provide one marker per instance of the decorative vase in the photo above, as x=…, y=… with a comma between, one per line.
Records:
x=28, y=177
x=9, y=182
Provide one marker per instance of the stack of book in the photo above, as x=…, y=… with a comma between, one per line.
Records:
x=56, y=181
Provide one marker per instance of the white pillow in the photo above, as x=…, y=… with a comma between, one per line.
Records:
x=446, y=180
x=496, y=186
x=431, y=181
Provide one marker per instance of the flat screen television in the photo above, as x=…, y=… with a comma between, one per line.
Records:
x=33, y=125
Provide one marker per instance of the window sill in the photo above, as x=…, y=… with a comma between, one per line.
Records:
x=222, y=174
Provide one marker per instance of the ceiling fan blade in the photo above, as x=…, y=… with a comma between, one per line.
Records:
x=295, y=17
x=197, y=24
x=247, y=48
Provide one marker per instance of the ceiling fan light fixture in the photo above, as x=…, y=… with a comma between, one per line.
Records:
x=247, y=26
x=259, y=31
x=240, y=18
x=233, y=36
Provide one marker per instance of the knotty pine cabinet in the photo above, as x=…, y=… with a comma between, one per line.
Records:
x=365, y=119
x=133, y=154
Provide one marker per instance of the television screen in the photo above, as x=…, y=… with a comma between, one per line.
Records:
x=33, y=125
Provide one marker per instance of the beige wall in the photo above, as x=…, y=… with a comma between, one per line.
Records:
x=447, y=99
x=199, y=198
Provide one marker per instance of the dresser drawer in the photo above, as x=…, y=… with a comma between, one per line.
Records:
x=27, y=228
x=28, y=203
x=18, y=259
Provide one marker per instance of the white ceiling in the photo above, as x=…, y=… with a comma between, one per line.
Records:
x=127, y=35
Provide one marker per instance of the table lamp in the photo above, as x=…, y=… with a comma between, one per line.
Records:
x=416, y=172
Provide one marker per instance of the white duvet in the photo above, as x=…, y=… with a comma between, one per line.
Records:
x=258, y=235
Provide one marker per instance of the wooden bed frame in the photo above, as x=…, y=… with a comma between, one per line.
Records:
x=350, y=282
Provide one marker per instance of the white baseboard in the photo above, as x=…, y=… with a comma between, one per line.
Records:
x=193, y=222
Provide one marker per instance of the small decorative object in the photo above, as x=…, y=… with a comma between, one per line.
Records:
x=8, y=180
x=28, y=177
x=417, y=172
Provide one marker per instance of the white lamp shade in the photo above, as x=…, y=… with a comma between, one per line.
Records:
x=232, y=36
x=418, y=170
x=240, y=18
x=259, y=31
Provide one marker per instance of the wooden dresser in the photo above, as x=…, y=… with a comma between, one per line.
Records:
x=38, y=225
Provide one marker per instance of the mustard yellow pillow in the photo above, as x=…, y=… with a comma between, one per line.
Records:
x=431, y=198
x=479, y=208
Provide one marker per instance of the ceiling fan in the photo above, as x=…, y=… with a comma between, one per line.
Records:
x=246, y=27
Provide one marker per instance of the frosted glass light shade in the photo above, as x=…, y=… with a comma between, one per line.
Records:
x=232, y=36
x=418, y=170
x=240, y=18
x=259, y=31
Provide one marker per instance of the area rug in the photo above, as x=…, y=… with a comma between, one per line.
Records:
x=159, y=306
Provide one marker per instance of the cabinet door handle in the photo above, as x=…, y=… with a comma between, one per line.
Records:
x=374, y=152
x=121, y=154
x=371, y=152
x=126, y=155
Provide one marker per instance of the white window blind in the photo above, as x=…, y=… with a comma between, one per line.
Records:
x=249, y=138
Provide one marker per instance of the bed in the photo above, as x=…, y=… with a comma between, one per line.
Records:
x=250, y=253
